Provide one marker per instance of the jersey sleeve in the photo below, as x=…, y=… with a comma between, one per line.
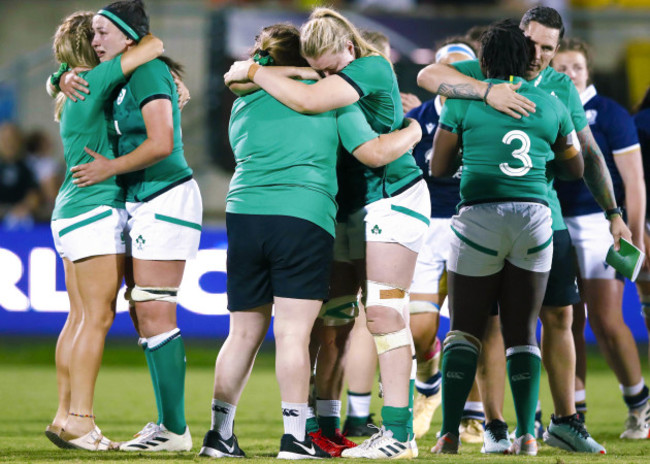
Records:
x=471, y=68
x=565, y=120
x=368, y=75
x=106, y=76
x=576, y=110
x=353, y=127
x=620, y=130
x=451, y=117
x=152, y=81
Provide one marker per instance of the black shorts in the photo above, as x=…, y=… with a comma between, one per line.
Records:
x=562, y=287
x=275, y=256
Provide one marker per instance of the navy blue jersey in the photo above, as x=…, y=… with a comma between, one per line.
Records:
x=614, y=131
x=642, y=123
x=445, y=192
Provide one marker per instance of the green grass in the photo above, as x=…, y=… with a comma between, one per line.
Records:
x=124, y=403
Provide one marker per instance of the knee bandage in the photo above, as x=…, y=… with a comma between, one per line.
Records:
x=140, y=294
x=460, y=340
x=422, y=307
x=392, y=341
x=378, y=294
x=339, y=311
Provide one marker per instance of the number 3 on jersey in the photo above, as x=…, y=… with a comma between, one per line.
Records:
x=521, y=154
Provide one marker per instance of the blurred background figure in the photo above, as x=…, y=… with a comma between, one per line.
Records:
x=47, y=169
x=19, y=192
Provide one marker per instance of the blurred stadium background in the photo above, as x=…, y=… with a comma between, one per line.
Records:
x=206, y=36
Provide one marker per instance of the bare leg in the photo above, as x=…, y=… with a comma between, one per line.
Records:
x=156, y=317
x=578, y=332
x=491, y=373
x=361, y=364
x=64, y=344
x=604, y=301
x=237, y=355
x=294, y=320
x=98, y=280
x=392, y=264
x=557, y=338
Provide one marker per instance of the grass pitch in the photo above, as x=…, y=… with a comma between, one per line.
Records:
x=124, y=404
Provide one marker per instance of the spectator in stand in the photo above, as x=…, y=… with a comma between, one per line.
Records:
x=19, y=193
x=46, y=168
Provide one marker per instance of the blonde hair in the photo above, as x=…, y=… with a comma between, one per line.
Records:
x=328, y=31
x=73, y=45
x=282, y=43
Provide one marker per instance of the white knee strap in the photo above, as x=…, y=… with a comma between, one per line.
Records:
x=392, y=341
x=139, y=294
x=379, y=294
x=461, y=340
x=339, y=311
x=422, y=307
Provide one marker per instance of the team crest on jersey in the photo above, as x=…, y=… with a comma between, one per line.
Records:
x=121, y=96
x=591, y=116
x=430, y=126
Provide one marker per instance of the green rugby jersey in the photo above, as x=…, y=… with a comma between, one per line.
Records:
x=286, y=161
x=559, y=85
x=151, y=81
x=505, y=158
x=87, y=123
x=375, y=82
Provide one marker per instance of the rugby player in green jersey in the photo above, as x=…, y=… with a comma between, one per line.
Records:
x=280, y=218
x=397, y=205
x=87, y=226
x=165, y=214
x=543, y=25
x=502, y=244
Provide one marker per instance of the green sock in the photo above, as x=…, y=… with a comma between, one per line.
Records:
x=312, y=425
x=395, y=420
x=524, y=371
x=329, y=424
x=154, y=382
x=458, y=370
x=409, y=424
x=169, y=361
x=357, y=420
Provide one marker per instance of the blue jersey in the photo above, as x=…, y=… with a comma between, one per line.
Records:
x=445, y=192
x=614, y=131
x=642, y=123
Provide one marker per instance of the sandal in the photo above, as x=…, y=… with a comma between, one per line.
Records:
x=92, y=441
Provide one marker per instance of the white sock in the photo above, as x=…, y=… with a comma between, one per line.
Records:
x=156, y=340
x=223, y=417
x=358, y=404
x=580, y=396
x=310, y=412
x=328, y=408
x=294, y=416
x=632, y=390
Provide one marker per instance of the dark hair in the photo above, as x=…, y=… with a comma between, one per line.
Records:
x=544, y=15
x=505, y=50
x=133, y=13
x=282, y=43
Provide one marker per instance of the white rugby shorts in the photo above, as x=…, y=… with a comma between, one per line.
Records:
x=168, y=227
x=402, y=219
x=487, y=234
x=100, y=231
x=591, y=239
